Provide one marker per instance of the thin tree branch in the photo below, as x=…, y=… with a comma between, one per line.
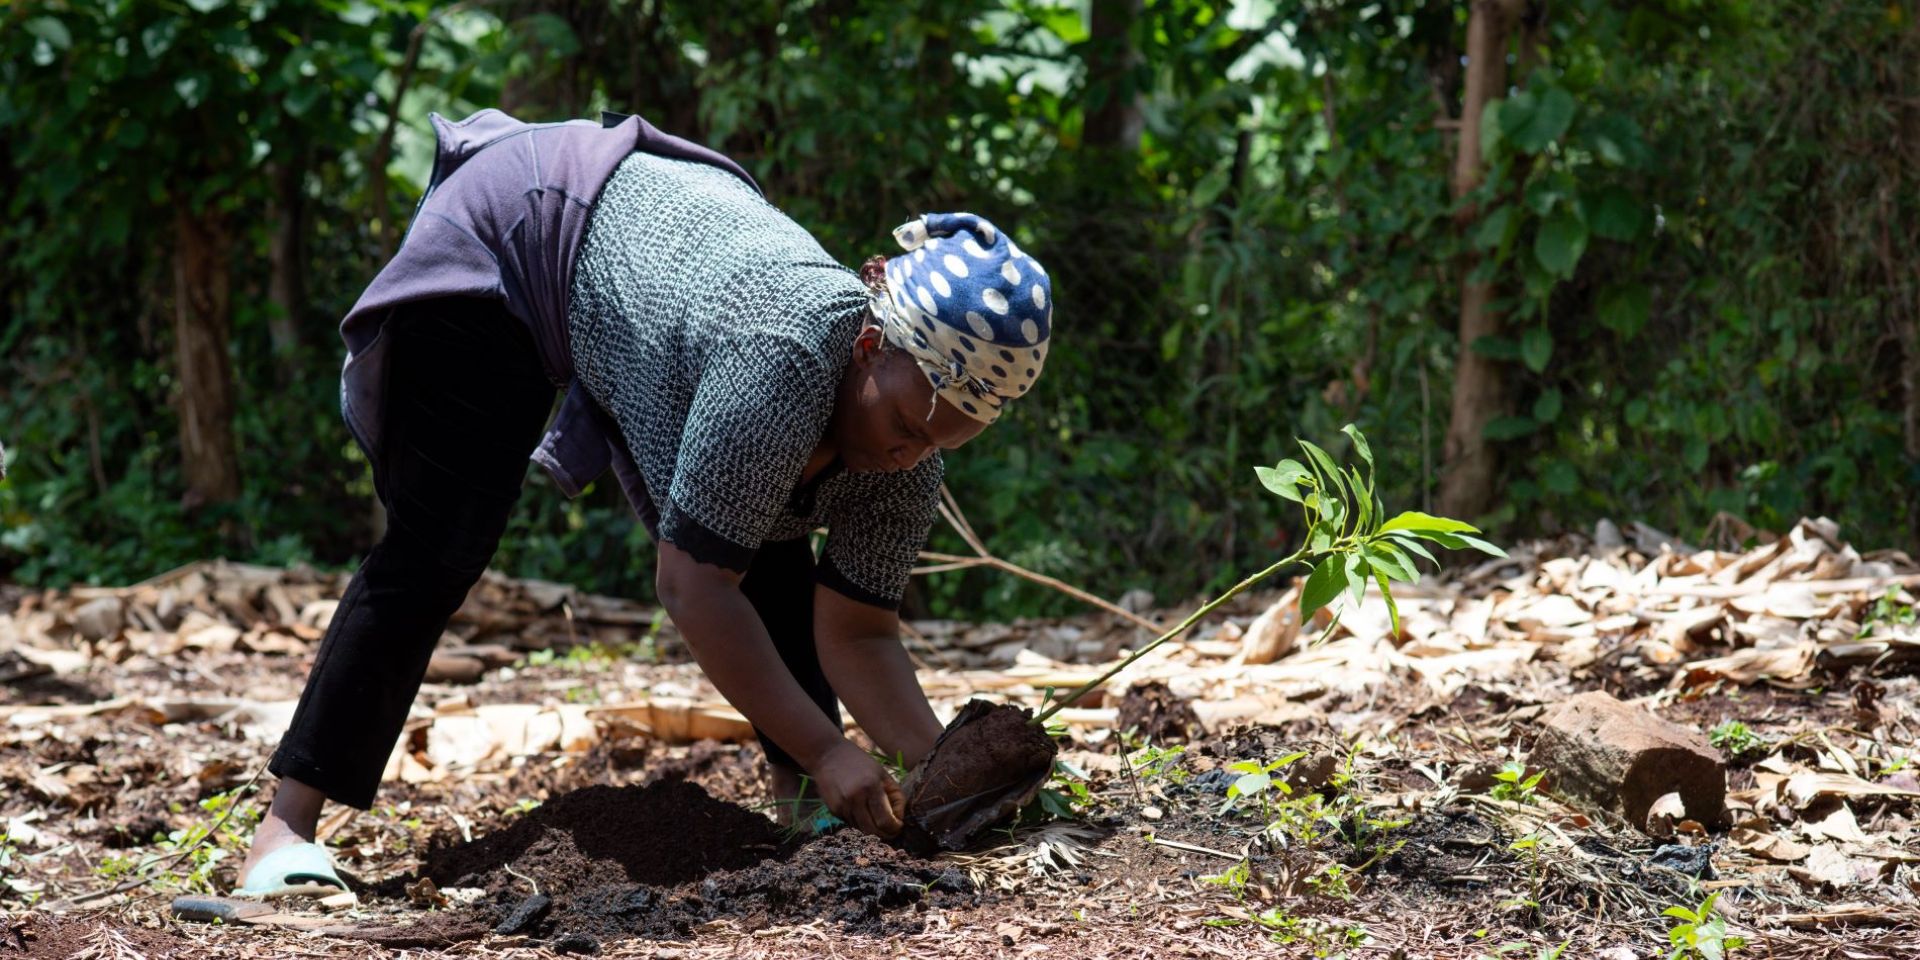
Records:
x=943, y=562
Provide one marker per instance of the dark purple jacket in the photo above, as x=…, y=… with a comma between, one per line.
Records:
x=503, y=216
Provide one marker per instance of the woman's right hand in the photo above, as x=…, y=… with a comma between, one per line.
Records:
x=860, y=791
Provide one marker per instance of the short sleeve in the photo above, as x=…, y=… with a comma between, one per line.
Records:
x=760, y=407
x=875, y=539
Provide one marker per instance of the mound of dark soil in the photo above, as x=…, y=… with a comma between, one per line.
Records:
x=658, y=835
x=660, y=860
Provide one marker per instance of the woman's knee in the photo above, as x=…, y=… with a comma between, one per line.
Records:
x=441, y=570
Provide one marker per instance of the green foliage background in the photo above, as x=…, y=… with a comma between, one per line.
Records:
x=1700, y=219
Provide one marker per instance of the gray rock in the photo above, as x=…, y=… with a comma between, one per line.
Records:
x=100, y=618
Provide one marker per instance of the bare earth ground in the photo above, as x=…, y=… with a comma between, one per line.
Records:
x=575, y=800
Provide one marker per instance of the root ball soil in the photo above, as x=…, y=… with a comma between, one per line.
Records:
x=987, y=764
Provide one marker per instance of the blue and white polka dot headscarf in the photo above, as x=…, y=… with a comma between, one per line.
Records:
x=970, y=307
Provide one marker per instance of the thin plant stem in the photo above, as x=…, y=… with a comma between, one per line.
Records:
x=1191, y=619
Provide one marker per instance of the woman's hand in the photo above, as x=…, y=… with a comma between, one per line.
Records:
x=860, y=791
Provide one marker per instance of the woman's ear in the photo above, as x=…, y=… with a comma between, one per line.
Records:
x=869, y=346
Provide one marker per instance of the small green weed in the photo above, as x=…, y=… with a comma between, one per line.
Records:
x=1256, y=781
x=1528, y=847
x=1152, y=763
x=1234, y=878
x=1513, y=784
x=114, y=868
x=1702, y=934
x=594, y=656
x=1323, y=937
x=9, y=857
x=1889, y=610
x=224, y=832
x=1066, y=796
x=1331, y=881
x=1734, y=737
x=895, y=762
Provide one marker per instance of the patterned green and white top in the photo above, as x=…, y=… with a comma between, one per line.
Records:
x=714, y=330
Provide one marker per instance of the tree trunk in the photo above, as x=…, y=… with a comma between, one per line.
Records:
x=202, y=320
x=1118, y=121
x=287, y=253
x=1468, y=467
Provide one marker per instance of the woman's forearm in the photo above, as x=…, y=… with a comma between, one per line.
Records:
x=870, y=671
x=731, y=645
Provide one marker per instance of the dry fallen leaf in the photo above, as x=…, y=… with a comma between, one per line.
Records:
x=1836, y=824
x=1754, y=838
x=1802, y=789
x=1827, y=866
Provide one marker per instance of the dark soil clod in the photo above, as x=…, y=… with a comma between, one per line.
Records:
x=530, y=911
x=1157, y=715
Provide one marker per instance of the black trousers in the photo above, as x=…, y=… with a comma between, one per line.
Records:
x=466, y=403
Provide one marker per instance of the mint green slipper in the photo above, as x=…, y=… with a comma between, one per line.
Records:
x=303, y=869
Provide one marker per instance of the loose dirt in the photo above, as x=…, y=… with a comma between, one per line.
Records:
x=659, y=861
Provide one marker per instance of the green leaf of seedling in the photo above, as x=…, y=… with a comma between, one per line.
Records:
x=1320, y=539
x=1284, y=479
x=1365, y=496
x=1323, y=464
x=1393, y=609
x=1680, y=913
x=1547, y=408
x=1334, y=510
x=1419, y=522
x=1616, y=214
x=1356, y=572
x=1460, y=541
x=1387, y=560
x=1623, y=308
x=1323, y=584
x=1359, y=443
x=1286, y=761
x=1405, y=541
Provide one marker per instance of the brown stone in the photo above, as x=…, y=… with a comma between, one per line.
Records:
x=100, y=618
x=1621, y=758
x=454, y=668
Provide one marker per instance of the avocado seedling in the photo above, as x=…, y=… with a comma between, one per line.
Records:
x=991, y=760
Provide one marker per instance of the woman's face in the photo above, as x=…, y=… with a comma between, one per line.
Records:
x=880, y=421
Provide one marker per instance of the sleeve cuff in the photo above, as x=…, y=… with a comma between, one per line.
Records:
x=829, y=576
x=703, y=544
